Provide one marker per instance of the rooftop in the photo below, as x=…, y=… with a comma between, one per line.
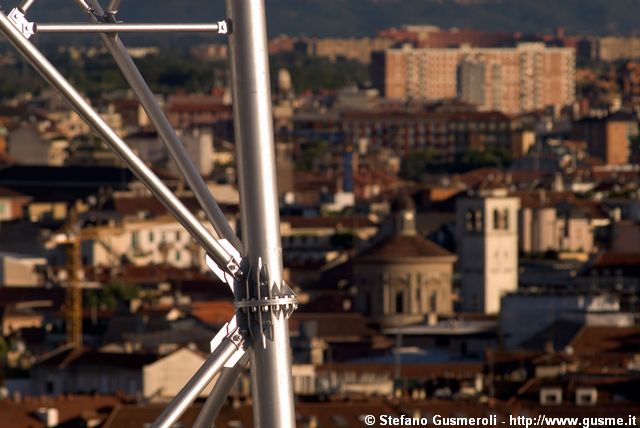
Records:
x=402, y=248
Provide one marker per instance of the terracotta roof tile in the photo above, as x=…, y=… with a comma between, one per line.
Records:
x=598, y=340
x=352, y=222
x=68, y=357
x=401, y=247
x=136, y=416
x=216, y=312
x=455, y=370
x=8, y=193
x=22, y=413
x=613, y=260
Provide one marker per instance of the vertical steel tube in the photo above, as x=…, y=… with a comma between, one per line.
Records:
x=196, y=385
x=126, y=155
x=271, y=363
x=219, y=394
x=167, y=134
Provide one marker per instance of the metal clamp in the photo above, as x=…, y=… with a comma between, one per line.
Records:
x=224, y=27
x=271, y=300
x=231, y=331
x=285, y=304
x=18, y=18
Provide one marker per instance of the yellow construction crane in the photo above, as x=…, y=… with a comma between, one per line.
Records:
x=74, y=289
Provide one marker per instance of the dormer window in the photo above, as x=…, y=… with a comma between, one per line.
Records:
x=586, y=396
x=551, y=396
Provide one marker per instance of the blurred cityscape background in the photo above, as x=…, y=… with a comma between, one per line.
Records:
x=460, y=214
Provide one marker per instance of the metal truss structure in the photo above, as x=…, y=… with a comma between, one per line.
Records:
x=252, y=267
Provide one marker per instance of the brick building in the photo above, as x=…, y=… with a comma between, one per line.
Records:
x=608, y=138
x=447, y=134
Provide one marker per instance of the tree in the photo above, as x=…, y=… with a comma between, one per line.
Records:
x=311, y=155
x=111, y=294
x=418, y=163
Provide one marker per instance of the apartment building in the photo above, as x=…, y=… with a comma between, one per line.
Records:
x=527, y=77
x=355, y=49
x=447, y=134
x=609, y=138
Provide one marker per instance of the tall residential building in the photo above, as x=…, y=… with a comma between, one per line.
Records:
x=487, y=235
x=513, y=80
x=608, y=138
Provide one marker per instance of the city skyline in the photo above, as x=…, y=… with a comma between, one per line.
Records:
x=416, y=223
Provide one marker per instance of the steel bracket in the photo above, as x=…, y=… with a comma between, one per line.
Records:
x=18, y=18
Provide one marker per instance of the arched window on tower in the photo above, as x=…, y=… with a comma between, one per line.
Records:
x=478, y=220
x=470, y=218
x=501, y=219
x=505, y=218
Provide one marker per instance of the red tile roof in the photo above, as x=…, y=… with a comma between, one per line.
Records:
x=67, y=357
x=216, y=312
x=612, y=260
x=21, y=413
x=457, y=370
x=136, y=416
x=401, y=248
x=593, y=340
x=8, y=193
x=351, y=222
x=132, y=205
x=444, y=116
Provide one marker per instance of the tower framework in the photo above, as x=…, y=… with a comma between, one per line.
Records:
x=252, y=268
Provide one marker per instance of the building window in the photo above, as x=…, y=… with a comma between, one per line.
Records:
x=178, y=255
x=551, y=396
x=177, y=235
x=478, y=220
x=399, y=302
x=474, y=220
x=501, y=219
x=433, y=302
x=151, y=237
x=470, y=219
x=505, y=218
x=135, y=240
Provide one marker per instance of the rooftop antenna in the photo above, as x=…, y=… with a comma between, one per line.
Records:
x=259, y=331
